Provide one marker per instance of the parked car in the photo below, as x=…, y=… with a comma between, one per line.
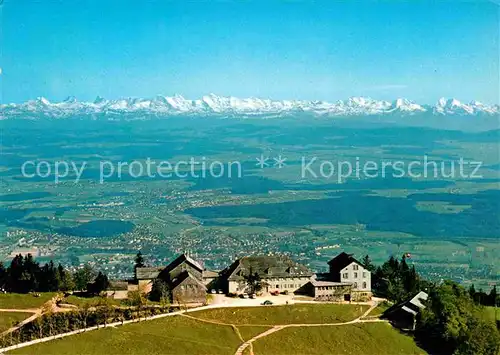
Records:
x=253, y=296
x=275, y=293
x=267, y=303
x=213, y=291
x=221, y=292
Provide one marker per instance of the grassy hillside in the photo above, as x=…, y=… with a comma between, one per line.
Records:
x=381, y=308
x=170, y=335
x=24, y=301
x=290, y=314
x=363, y=338
x=491, y=313
x=90, y=301
x=247, y=332
x=185, y=335
x=8, y=319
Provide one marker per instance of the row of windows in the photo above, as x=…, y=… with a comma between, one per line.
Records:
x=345, y=275
x=356, y=285
x=330, y=296
x=286, y=279
x=288, y=286
x=323, y=288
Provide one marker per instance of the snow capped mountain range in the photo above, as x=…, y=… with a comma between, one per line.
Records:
x=213, y=105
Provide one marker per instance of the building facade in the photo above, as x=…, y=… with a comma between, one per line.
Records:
x=277, y=274
x=345, y=268
x=347, y=280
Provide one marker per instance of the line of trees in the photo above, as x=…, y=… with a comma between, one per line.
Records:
x=452, y=323
x=25, y=274
x=395, y=279
x=484, y=299
x=62, y=322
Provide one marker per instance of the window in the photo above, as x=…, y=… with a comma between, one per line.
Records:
x=345, y=275
x=355, y=267
x=355, y=275
x=364, y=284
x=364, y=274
x=355, y=285
x=277, y=286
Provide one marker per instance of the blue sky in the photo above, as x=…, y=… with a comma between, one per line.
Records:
x=296, y=50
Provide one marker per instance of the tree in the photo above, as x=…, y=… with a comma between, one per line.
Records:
x=136, y=299
x=472, y=291
x=160, y=292
x=492, y=297
x=15, y=279
x=30, y=273
x=396, y=280
x=139, y=260
x=49, y=277
x=100, y=284
x=403, y=265
x=367, y=263
x=411, y=281
x=253, y=281
x=66, y=279
x=82, y=277
x=3, y=275
x=451, y=324
x=481, y=337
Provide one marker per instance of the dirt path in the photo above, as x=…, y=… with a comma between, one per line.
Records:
x=31, y=318
x=276, y=328
x=28, y=310
x=50, y=305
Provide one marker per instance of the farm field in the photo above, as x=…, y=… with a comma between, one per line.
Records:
x=363, y=338
x=24, y=301
x=291, y=314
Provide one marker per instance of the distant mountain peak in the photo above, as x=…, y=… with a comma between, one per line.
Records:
x=99, y=100
x=42, y=100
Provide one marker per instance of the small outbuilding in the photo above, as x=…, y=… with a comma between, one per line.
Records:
x=404, y=315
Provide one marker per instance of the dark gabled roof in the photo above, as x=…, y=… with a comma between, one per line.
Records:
x=267, y=267
x=148, y=273
x=412, y=305
x=184, y=258
x=182, y=277
x=341, y=261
